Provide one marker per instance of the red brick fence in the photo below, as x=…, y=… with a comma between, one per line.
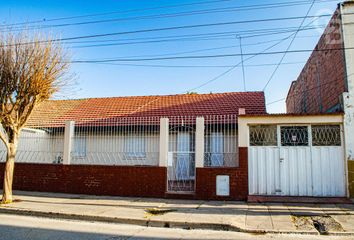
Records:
x=130, y=181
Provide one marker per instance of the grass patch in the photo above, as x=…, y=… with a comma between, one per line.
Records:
x=158, y=211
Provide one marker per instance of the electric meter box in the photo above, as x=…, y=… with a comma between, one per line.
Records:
x=223, y=185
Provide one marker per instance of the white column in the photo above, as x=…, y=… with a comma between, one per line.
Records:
x=68, y=141
x=164, y=126
x=347, y=10
x=199, y=143
x=348, y=125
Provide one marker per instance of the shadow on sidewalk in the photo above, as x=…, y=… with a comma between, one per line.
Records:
x=188, y=206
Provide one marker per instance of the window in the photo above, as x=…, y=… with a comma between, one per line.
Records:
x=215, y=149
x=326, y=135
x=294, y=136
x=263, y=135
x=79, y=150
x=134, y=147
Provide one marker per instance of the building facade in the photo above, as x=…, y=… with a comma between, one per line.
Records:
x=326, y=83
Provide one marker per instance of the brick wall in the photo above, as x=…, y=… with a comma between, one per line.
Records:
x=88, y=179
x=206, y=180
x=322, y=80
x=130, y=181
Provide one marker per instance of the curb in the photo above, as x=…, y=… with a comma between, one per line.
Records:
x=158, y=223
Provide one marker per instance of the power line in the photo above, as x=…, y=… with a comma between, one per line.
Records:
x=233, y=67
x=289, y=46
x=176, y=28
x=300, y=93
x=116, y=12
x=214, y=48
x=224, y=33
x=182, y=14
x=185, y=37
x=207, y=56
x=197, y=66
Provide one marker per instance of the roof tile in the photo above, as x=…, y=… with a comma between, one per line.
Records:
x=148, y=106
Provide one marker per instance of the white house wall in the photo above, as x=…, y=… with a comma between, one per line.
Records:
x=2, y=152
x=36, y=146
x=347, y=10
x=39, y=147
x=245, y=121
x=103, y=149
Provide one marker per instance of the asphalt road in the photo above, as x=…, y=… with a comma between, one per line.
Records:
x=13, y=227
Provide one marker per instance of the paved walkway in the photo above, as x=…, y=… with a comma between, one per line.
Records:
x=13, y=227
x=218, y=215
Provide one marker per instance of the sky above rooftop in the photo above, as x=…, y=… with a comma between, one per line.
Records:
x=175, y=76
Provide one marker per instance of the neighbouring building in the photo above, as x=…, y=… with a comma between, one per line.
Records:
x=150, y=146
x=326, y=83
x=220, y=146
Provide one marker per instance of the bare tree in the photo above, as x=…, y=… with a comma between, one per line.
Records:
x=32, y=69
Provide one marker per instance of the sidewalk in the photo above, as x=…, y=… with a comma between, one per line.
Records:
x=232, y=216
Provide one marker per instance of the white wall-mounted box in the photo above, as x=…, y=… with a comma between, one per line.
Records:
x=223, y=185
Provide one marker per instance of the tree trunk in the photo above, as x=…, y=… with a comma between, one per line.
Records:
x=9, y=173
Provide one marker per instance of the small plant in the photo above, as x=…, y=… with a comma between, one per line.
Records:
x=158, y=211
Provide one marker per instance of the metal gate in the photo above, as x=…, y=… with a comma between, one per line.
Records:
x=181, y=155
x=296, y=161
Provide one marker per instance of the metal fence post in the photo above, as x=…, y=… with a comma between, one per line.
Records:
x=68, y=141
x=199, y=143
x=164, y=127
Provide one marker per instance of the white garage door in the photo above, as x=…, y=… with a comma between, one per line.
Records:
x=296, y=161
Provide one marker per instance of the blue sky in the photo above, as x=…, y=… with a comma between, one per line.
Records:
x=102, y=80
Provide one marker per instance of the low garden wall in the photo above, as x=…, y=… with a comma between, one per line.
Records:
x=128, y=181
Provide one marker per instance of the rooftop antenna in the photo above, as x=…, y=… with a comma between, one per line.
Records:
x=243, y=67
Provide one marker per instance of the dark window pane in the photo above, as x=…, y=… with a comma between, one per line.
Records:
x=326, y=135
x=294, y=136
x=263, y=135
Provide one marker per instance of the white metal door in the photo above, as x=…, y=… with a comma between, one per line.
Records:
x=328, y=171
x=263, y=170
x=297, y=171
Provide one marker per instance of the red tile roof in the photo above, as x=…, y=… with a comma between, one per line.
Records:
x=94, y=109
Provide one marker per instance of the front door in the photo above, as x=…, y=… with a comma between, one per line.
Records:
x=181, y=159
x=217, y=149
x=183, y=156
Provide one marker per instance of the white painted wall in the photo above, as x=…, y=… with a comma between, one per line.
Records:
x=245, y=121
x=2, y=152
x=103, y=149
x=347, y=10
x=36, y=146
